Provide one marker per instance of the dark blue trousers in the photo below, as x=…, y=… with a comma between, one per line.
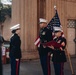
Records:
x=45, y=63
x=59, y=68
x=15, y=66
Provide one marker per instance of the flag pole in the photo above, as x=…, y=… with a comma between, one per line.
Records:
x=55, y=7
x=55, y=11
x=68, y=55
x=70, y=62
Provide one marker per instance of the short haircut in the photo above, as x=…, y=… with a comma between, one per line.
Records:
x=13, y=31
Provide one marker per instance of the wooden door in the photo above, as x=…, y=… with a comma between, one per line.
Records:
x=71, y=34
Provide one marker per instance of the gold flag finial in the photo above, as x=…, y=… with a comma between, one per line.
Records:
x=55, y=7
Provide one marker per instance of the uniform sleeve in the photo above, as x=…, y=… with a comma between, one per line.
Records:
x=64, y=41
x=49, y=35
x=1, y=40
x=17, y=42
x=17, y=51
x=49, y=38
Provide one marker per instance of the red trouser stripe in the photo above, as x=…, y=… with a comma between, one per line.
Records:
x=48, y=62
x=62, y=64
x=17, y=63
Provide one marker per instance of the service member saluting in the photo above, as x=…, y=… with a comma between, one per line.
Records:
x=44, y=52
x=15, y=50
x=59, y=56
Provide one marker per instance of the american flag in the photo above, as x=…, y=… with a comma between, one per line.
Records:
x=54, y=22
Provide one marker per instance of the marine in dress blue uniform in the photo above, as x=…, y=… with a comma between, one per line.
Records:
x=59, y=56
x=44, y=52
x=15, y=50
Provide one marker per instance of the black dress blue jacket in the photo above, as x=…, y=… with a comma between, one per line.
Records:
x=59, y=55
x=15, y=44
x=45, y=36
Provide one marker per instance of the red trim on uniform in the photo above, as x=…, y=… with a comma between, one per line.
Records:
x=17, y=63
x=62, y=64
x=48, y=63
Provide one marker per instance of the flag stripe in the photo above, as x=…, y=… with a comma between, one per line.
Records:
x=37, y=41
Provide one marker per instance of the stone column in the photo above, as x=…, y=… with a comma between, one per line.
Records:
x=25, y=13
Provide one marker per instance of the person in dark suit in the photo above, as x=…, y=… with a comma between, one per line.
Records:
x=15, y=50
x=59, y=56
x=1, y=41
x=44, y=52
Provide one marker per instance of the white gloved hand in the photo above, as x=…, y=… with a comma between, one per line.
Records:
x=17, y=59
